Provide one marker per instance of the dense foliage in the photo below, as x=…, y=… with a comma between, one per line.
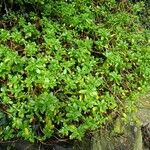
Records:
x=68, y=67
x=145, y=15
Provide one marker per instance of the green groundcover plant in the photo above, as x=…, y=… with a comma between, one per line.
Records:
x=69, y=67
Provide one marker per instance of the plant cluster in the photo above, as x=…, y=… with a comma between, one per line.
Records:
x=70, y=69
x=145, y=15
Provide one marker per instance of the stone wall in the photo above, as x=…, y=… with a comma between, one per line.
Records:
x=129, y=137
